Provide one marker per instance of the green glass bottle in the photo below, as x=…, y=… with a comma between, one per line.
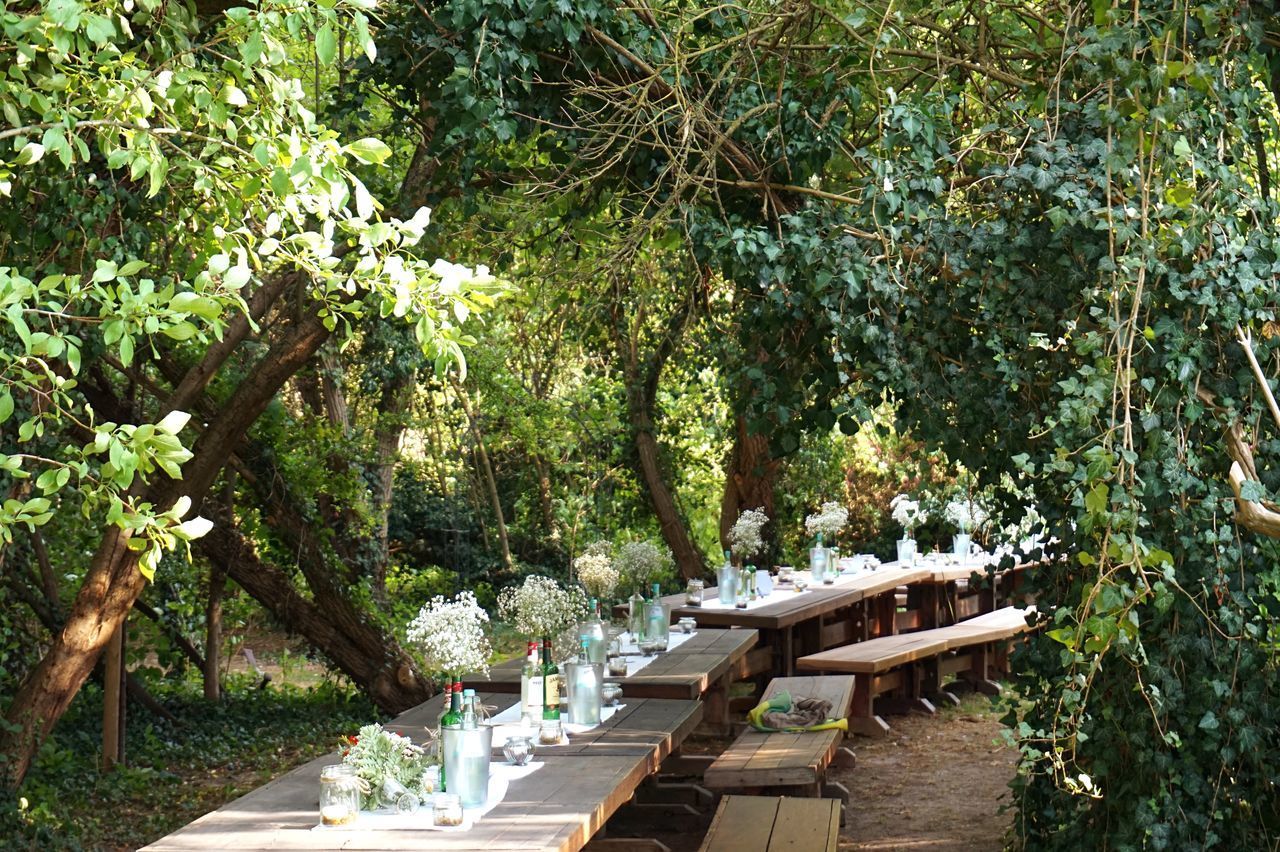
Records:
x=550, y=685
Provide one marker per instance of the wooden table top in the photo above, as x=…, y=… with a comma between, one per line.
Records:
x=686, y=671
x=785, y=608
x=557, y=808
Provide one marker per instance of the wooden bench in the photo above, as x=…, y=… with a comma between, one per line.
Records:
x=767, y=824
x=912, y=666
x=758, y=760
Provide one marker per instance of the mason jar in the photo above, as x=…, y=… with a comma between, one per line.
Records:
x=339, y=794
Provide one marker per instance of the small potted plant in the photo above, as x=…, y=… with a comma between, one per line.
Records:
x=906, y=512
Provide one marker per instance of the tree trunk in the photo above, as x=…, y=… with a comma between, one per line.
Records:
x=486, y=470
x=352, y=641
x=113, y=581
x=213, y=632
x=749, y=484
x=675, y=530
x=393, y=404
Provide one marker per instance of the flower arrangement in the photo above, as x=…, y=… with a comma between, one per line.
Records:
x=906, y=512
x=965, y=514
x=541, y=607
x=828, y=520
x=596, y=571
x=745, y=535
x=376, y=754
x=450, y=635
x=642, y=563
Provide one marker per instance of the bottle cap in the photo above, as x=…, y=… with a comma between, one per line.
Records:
x=468, y=693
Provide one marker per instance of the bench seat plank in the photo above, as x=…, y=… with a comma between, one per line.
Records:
x=770, y=824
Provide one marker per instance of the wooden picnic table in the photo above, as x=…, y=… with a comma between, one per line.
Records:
x=704, y=666
x=816, y=613
x=556, y=808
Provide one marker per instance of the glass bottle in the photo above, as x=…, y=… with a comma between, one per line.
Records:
x=470, y=719
x=550, y=684
x=740, y=590
x=657, y=627
x=453, y=718
x=727, y=580
x=531, y=687
x=549, y=734
x=818, y=561
x=635, y=617
x=750, y=575
x=593, y=629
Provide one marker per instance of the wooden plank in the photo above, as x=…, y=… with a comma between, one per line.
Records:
x=876, y=655
x=742, y=824
x=806, y=825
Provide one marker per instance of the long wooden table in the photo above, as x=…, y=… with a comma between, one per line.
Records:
x=556, y=808
x=816, y=612
x=705, y=666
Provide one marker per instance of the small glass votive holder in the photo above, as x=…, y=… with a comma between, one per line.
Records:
x=550, y=732
x=446, y=809
x=339, y=795
x=518, y=750
x=687, y=624
x=617, y=666
x=431, y=779
x=693, y=592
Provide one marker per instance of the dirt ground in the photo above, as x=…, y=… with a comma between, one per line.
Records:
x=934, y=784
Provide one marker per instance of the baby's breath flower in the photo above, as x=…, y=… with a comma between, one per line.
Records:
x=541, y=607
x=906, y=512
x=450, y=635
x=643, y=562
x=745, y=537
x=828, y=520
x=596, y=571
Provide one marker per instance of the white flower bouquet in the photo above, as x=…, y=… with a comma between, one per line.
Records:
x=745, y=536
x=965, y=514
x=596, y=571
x=541, y=607
x=450, y=635
x=906, y=512
x=828, y=520
x=376, y=755
x=643, y=563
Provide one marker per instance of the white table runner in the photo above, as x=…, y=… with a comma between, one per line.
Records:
x=500, y=777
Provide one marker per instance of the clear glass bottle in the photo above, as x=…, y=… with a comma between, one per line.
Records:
x=635, y=617
x=727, y=580
x=339, y=794
x=740, y=590
x=657, y=629
x=750, y=575
x=598, y=638
x=818, y=561
x=394, y=795
x=470, y=718
x=531, y=687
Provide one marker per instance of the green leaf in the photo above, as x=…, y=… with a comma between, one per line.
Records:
x=6, y=406
x=326, y=45
x=30, y=153
x=369, y=150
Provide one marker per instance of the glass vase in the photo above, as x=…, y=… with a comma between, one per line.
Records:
x=635, y=617
x=906, y=551
x=818, y=564
x=597, y=637
x=727, y=584
x=584, y=683
x=960, y=545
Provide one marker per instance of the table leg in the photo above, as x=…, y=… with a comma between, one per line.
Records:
x=788, y=651
x=886, y=607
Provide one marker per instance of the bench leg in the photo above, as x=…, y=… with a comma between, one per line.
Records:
x=835, y=790
x=845, y=758
x=715, y=717
x=862, y=717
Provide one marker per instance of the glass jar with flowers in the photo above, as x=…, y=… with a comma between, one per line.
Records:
x=746, y=539
x=641, y=564
x=826, y=524
x=906, y=512
x=967, y=515
x=598, y=575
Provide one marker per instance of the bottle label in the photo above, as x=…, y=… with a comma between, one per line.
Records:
x=533, y=697
x=552, y=692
